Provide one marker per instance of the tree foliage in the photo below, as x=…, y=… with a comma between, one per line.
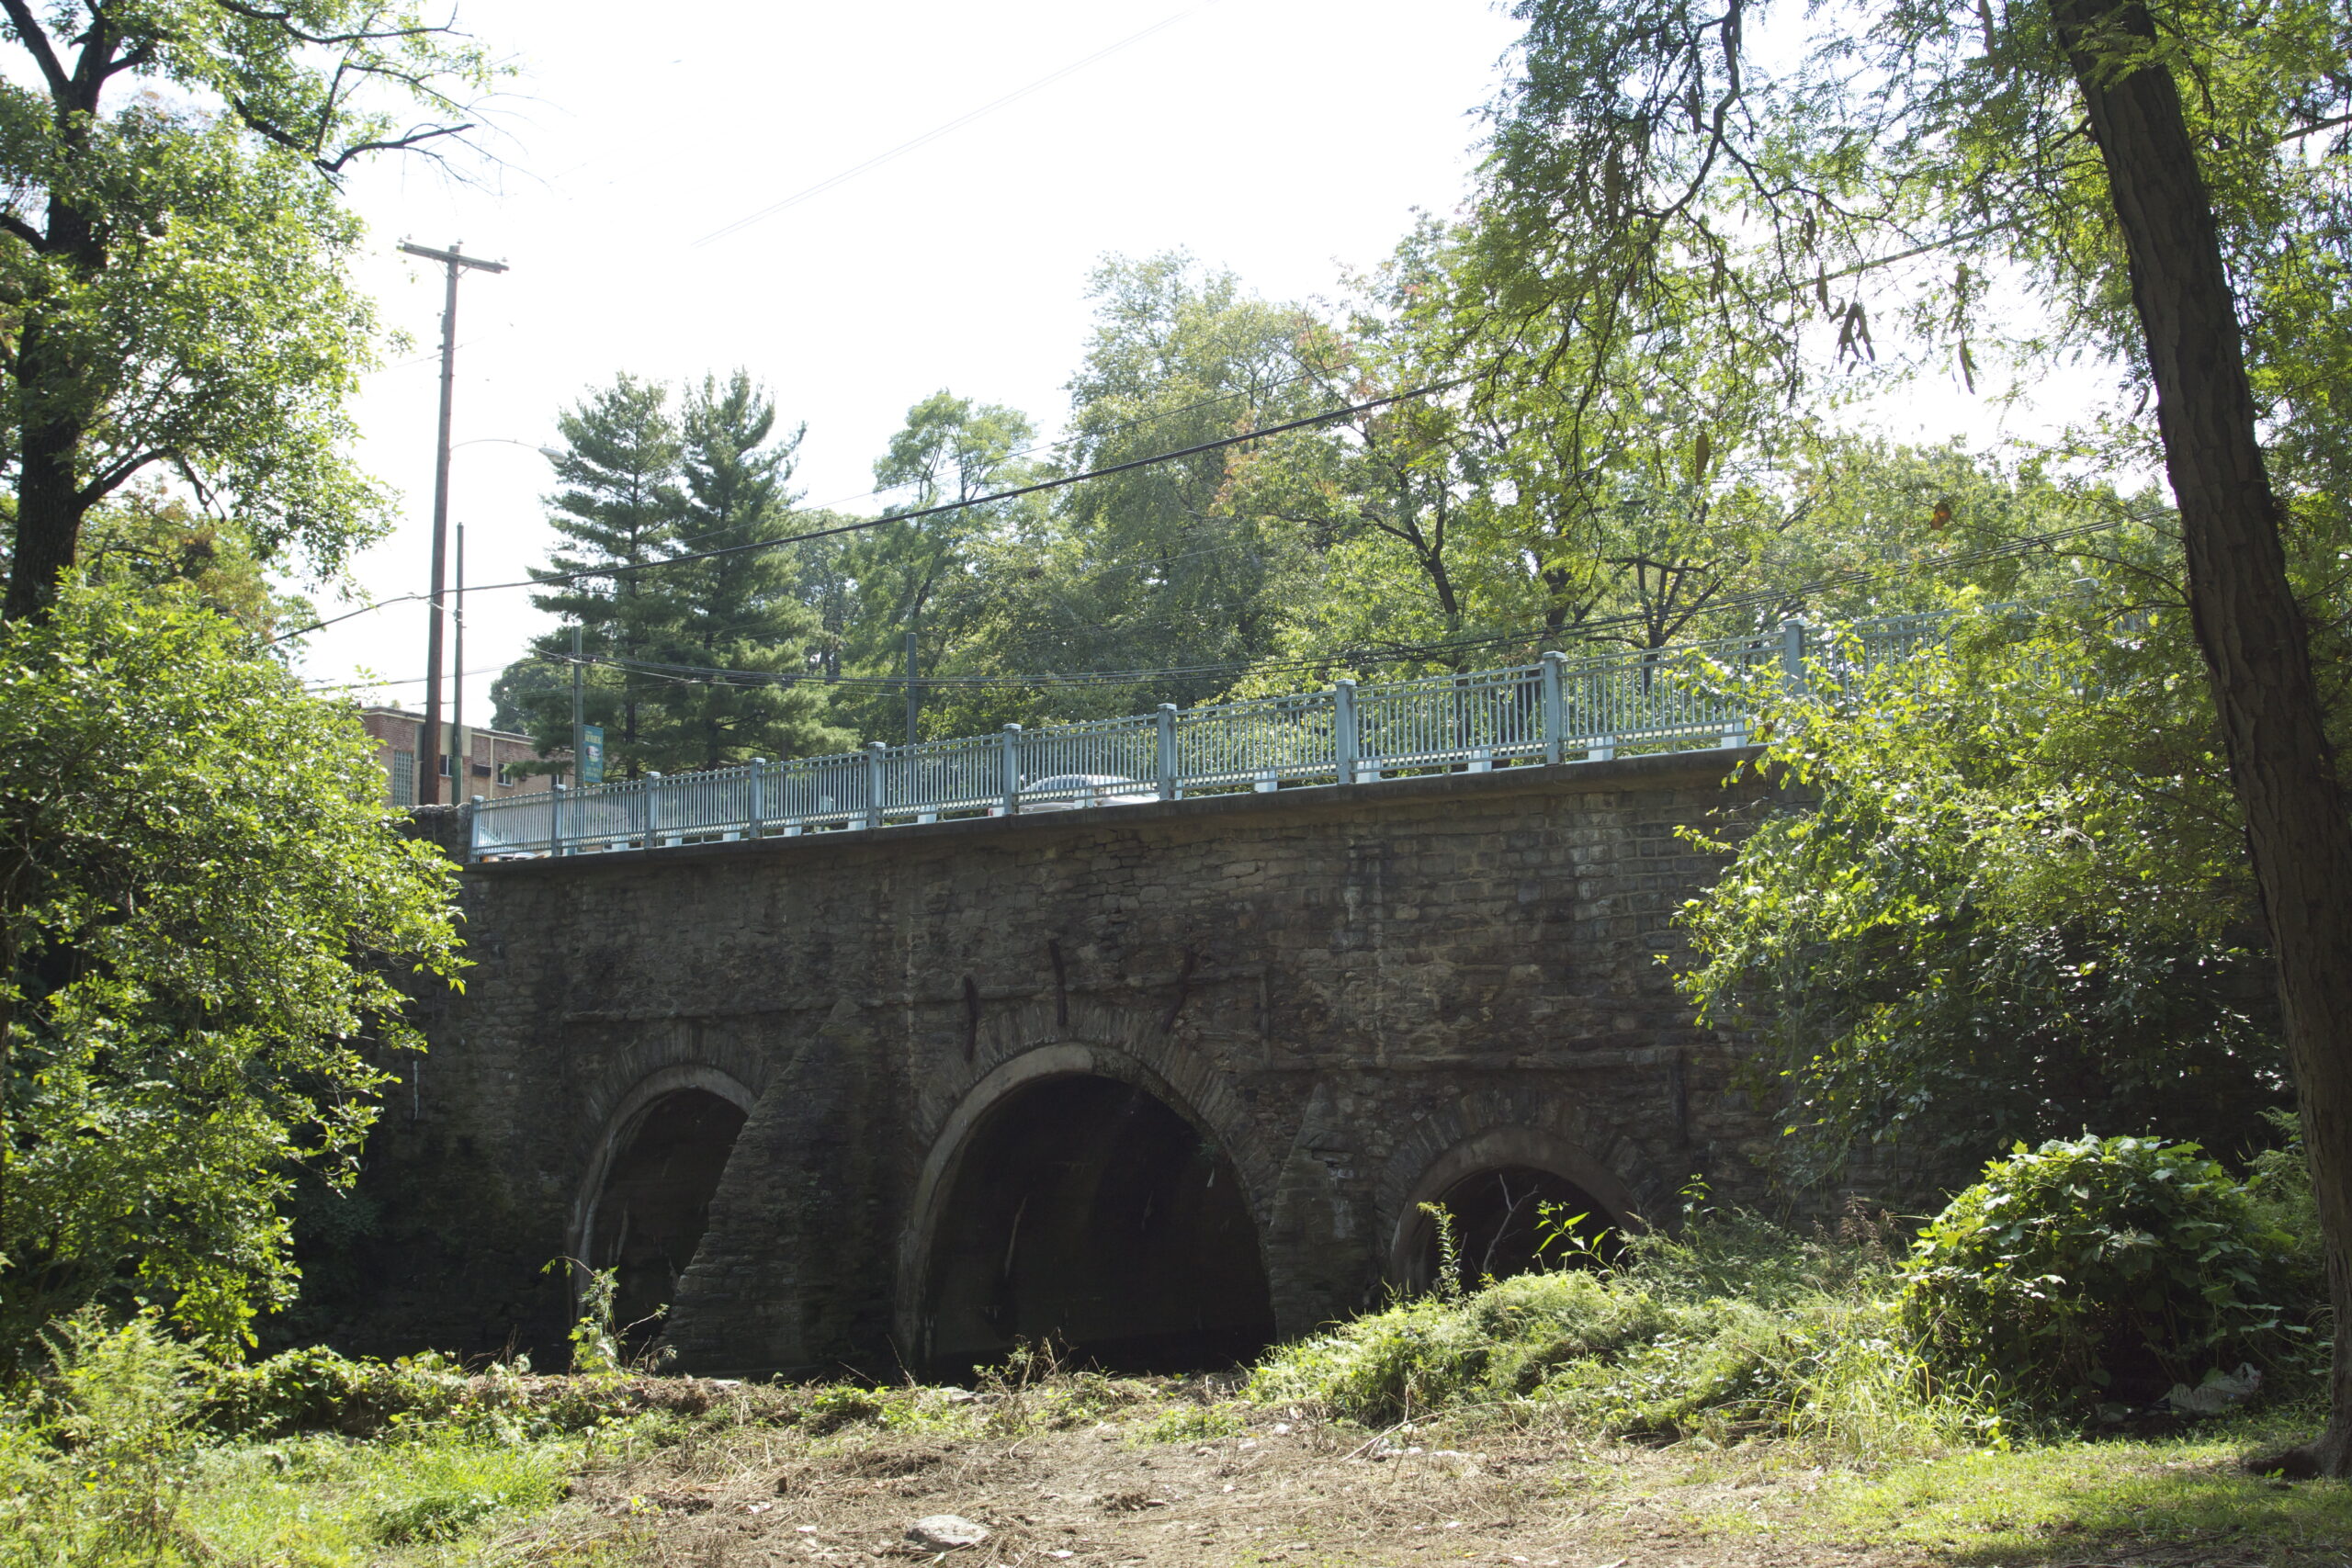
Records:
x=937, y=579
x=2003, y=901
x=2166, y=178
x=732, y=619
x=172, y=255
x=209, y=916
x=1156, y=569
x=685, y=654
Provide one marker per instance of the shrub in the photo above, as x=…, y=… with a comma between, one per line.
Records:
x=2279, y=1181
x=1191, y=1423
x=1732, y=1329
x=2098, y=1270
x=315, y=1390
x=96, y=1461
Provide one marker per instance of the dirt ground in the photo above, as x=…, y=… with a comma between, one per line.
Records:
x=1282, y=1489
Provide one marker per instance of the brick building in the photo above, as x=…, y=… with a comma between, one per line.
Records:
x=492, y=762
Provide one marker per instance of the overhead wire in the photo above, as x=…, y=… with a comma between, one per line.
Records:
x=1064, y=482
x=1073, y=437
x=1351, y=658
x=937, y=132
x=1069, y=439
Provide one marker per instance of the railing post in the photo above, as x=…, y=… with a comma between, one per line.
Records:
x=555, y=821
x=874, y=775
x=1554, y=708
x=1167, y=750
x=1012, y=781
x=1793, y=657
x=758, y=826
x=652, y=809
x=1343, y=728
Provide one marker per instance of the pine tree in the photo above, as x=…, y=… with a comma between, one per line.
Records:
x=619, y=507
x=736, y=614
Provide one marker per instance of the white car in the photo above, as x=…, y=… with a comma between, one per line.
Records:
x=1067, y=791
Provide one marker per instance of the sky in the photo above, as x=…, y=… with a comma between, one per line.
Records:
x=1290, y=141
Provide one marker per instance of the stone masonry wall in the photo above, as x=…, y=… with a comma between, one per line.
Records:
x=1357, y=993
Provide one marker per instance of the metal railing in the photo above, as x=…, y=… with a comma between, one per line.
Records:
x=1554, y=710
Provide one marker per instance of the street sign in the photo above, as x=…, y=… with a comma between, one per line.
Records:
x=591, y=754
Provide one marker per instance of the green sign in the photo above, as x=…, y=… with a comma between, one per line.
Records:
x=591, y=754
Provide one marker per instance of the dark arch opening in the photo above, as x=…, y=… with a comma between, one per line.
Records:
x=656, y=1203
x=1088, y=1212
x=1515, y=1219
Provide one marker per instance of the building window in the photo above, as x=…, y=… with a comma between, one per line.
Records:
x=403, y=787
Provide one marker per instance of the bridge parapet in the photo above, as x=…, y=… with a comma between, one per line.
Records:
x=1697, y=696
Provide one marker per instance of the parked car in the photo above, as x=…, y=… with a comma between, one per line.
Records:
x=1065, y=792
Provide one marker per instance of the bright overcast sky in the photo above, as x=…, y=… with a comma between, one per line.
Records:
x=1287, y=140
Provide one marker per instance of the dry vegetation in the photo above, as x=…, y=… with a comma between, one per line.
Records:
x=1736, y=1396
x=1074, y=1467
x=1090, y=1471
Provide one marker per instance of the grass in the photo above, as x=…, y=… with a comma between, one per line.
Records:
x=1737, y=1385
x=328, y=1501
x=2081, y=1498
x=441, y=1494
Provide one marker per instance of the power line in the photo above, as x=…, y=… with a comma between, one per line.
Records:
x=937, y=132
x=1074, y=438
x=407, y=680
x=1063, y=482
x=711, y=675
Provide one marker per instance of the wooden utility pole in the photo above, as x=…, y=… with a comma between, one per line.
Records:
x=428, y=753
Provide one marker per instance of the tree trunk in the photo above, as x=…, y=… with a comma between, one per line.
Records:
x=2256, y=649
x=48, y=501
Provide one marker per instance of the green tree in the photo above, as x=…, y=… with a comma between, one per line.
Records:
x=204, y=907
x=1648, y=168
x=934, y=579
x=145, y=535
x=172, y=248
x=1668, y=504
x=618, y=509
x=732, y=619
x=1156, y=569
x=526, y=686
x=2005, y=901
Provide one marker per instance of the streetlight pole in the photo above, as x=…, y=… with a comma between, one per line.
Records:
x=914, y=692
x=579, y=709
x=459, y=773
x=428, y=753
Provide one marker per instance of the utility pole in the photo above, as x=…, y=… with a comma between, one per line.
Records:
x=460, y=773
x=579, y=710
x=914, y=694
x=428, y=757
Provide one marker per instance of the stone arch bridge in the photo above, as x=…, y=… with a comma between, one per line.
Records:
x=1166, y=1080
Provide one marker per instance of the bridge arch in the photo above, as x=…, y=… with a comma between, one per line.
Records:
x=1074, y=1192
x=1494, y=1183
x=644, y=1198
